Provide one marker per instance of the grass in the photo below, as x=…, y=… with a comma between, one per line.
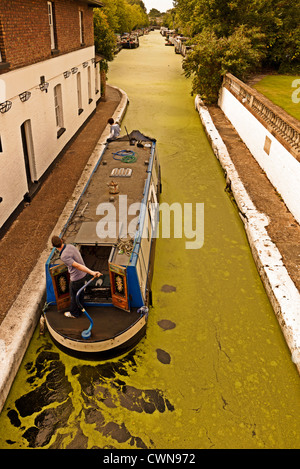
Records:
x=279, y=89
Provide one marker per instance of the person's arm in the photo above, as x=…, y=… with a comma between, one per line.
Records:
x=83, y=268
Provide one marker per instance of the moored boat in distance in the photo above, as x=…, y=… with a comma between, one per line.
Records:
x=114, y=226
x=130, y=41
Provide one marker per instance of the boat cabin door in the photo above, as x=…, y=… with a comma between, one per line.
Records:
x=61, y=280
x=118, y=282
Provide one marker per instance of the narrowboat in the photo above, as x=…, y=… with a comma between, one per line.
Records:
x=130, y=41
x=114, y=226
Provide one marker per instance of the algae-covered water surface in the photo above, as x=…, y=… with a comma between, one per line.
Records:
x=213, y=370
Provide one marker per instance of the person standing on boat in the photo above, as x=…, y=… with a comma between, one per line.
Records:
x=114, y=129
x=78, y=271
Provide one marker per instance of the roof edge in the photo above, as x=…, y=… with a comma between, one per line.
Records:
x=93, y=3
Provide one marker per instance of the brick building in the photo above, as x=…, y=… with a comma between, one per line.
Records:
x=49, y=86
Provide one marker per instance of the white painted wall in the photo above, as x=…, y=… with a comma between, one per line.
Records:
x=281, y=168
x=40, y=110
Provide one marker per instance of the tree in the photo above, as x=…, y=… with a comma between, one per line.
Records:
x=212, y=57
x=153, y=13
x=138, y=18
x=237, y=36
x=105, y=40
x=105, y=44
x=117, y=16
x=123, y=16
x=140, y=3
x=277, y=20
x=169, y=19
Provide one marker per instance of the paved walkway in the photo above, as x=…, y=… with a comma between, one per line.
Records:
x=26, y=239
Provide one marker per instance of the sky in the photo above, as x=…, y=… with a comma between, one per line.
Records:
x=161, y=5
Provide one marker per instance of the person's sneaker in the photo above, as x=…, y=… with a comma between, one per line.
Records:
x=69, y=315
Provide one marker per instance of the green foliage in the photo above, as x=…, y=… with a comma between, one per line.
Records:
x=125, y=16
x=105, y=41
x=117, y=16
x=140, y=3
x=268, y=31
x=153, y=13
x=169, y=19
x=212, y=57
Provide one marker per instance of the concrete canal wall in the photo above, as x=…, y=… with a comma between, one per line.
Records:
x=282, y=292
x=21, y=320
x=272, y=136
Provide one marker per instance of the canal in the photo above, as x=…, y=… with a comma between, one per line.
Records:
x=213, y=370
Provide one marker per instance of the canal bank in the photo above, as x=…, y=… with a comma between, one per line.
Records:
x=213, y=369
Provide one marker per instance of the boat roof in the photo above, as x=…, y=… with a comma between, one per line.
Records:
x=98, y=203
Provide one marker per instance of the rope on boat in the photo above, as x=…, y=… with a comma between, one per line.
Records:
x=126, y=156
x=125, y=246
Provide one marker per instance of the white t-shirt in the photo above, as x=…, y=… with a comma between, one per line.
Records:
x=114, y=131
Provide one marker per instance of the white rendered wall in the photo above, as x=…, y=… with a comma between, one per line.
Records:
x=40, y=110
x=281, y=168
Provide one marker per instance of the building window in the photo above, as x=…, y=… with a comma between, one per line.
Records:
x=28, y=153
x=51, y=24
x=79, y=95
x=81, y=28
x=58, y=110
x=89, y=85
